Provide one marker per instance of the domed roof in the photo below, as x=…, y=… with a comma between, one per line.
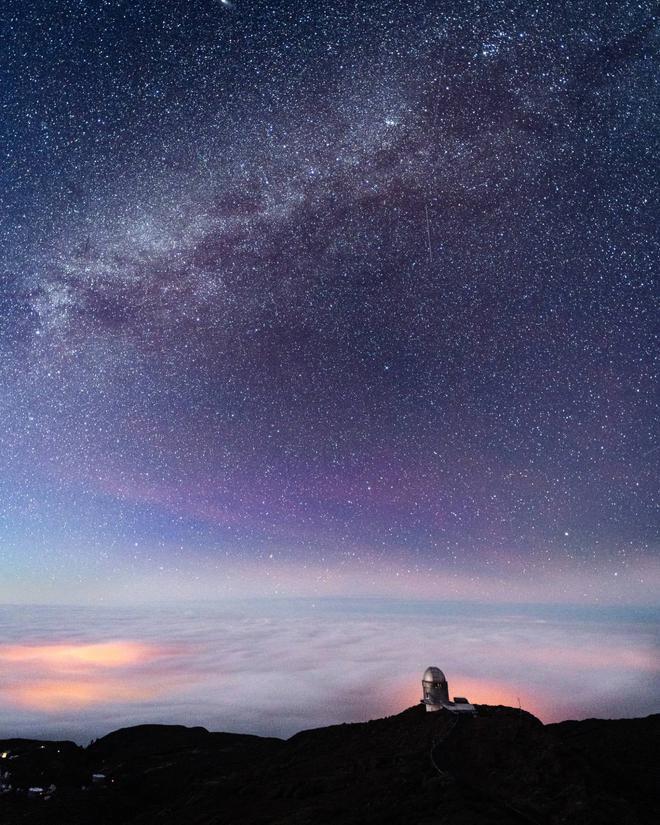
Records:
x=433, y=674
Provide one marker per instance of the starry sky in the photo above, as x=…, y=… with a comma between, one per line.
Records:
x=349, y=299
x=360, y=287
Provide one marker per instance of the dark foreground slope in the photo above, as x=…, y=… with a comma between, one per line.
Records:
x=501, y=767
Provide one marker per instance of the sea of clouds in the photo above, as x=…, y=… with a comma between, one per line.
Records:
x=276, y=667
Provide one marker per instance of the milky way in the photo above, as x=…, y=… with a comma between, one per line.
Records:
x=320, y=297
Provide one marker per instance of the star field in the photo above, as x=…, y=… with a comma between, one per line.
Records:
x=313, y=293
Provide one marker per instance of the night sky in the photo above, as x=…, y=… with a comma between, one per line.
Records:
x=311, y=299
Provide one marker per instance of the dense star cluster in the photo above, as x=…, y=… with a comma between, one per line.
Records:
x=313, y=286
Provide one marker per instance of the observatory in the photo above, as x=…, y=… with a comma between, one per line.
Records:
x=435, y=693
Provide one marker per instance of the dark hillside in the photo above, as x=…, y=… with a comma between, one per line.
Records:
x=502, y=766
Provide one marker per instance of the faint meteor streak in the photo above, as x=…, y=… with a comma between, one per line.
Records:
x=428, y=233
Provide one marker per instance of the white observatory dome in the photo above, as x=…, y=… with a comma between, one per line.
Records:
x=434, y=688
x=433, y=674
x=435, y=694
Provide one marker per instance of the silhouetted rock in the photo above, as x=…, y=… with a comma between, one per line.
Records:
x=143, y=740
x=502, y=766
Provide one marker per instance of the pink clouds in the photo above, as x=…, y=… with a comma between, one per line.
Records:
x=50, y=678
x=63, y=673
x=103, y=654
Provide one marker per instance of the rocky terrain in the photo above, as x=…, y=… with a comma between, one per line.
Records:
x=502, y=766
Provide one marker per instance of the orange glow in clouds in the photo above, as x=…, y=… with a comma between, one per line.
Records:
x=54, y=696
x=478, y=691
x=56, y=677
x=498, y=692
x=104, y=654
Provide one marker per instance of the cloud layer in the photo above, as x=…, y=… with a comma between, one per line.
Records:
x=275, y=669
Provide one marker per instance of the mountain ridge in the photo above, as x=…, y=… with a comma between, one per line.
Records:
x=501, y=766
